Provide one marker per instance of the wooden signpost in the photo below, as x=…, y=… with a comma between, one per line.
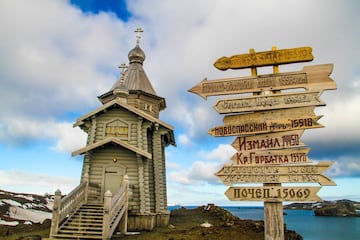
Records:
x=268, y=127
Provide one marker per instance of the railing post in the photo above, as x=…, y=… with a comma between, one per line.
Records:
x=106, y=220
x=86, y=179
x=56, y=214
x=125, y=216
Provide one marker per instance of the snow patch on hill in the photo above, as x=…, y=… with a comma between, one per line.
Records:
x=18, y=209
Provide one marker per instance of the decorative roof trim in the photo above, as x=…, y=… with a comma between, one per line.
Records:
x=138, y=112
x=113, y=140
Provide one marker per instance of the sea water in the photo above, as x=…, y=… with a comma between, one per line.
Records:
x=309, y=226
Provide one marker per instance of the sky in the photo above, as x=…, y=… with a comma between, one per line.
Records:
x=58, y=56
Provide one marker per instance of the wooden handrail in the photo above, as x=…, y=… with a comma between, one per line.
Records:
x=115, y=207
x=72, y=201
x=66, y=206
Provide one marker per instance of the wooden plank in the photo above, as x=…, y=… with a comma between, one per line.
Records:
x=270, y=157
x=317, y=168
x=268, y=102
x=269, y=141
x=273, y=194
x=267, y=126
x=294, y=173
x=312, y=78
x=269, y=115
x=266, y=58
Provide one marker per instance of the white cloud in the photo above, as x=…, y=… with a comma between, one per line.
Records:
x=202, y=171
x=222, y=153
x=68, y=138
x=345, y=167
x=173, y=165
x=183, y=139
x=56, y=60
x=19, y=130
x=24, y=182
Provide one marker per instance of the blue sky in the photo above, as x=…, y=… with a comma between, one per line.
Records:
x=58, y=56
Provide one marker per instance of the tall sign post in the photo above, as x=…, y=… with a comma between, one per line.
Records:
x=268, y=126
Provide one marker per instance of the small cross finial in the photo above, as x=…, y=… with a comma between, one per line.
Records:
x=138, y=35
x=123, y=68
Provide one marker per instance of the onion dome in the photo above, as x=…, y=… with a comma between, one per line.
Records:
x=136, y=55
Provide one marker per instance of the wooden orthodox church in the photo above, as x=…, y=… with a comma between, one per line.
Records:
x=124, y=161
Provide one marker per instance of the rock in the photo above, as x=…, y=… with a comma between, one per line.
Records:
x=206, y=225
x=341, y=208
x=170, y=226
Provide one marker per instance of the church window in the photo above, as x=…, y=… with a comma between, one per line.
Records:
x=117, y=128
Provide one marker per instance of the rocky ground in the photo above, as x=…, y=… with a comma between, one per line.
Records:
x=213, y=224
x=185, y=224
x=27, y=216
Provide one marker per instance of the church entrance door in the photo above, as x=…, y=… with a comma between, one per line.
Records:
x=113, y=177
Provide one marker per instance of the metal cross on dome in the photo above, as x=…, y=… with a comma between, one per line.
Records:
x=138, y=31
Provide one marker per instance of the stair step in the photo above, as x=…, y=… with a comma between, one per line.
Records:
x=92, y=209
x=86, y=220
x=82, y=226
x=89, y=213
x=93, y=205
x=75, y=236
x=79, y=231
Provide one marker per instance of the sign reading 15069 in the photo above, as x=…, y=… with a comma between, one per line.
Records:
x=274, y=193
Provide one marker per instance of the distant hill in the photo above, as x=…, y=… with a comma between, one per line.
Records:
x=24, y=212
x=342, y=207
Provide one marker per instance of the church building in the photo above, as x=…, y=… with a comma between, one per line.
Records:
x=126, y=137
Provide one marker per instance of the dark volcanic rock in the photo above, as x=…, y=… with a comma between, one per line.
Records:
x=339, y=209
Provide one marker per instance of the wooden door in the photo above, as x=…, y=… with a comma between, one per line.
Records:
x=113, y=177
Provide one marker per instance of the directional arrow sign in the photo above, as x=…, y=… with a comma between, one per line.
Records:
x=268, y=126
x=273, y=194
x=268, y=102
x=269, y=141
x=294, y=173
x=314, y=78
x=270, y=157
x=270, y=115
x=267, y=58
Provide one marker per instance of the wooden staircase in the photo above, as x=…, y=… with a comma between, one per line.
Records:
x=85, y=223
x=81, y=216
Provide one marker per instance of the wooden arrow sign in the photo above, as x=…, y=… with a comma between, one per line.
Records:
x=270, y=157
x=313, y=78
x=269, y=115
x=268, y=126
x=268, y=102
x=292, y=173
x=267, y=58
x=273, y=194
x=269, y=141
